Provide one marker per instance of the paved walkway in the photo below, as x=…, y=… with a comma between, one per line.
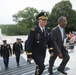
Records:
x=29, y=69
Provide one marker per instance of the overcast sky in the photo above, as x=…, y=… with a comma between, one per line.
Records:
x=10, y=7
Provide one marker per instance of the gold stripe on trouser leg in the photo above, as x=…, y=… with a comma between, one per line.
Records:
x=37, y=70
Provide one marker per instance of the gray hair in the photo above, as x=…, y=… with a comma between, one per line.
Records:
x=60, y=19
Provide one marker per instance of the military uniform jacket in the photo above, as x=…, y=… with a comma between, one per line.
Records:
x=17, y=47
x=38, y=42
x=5, y=49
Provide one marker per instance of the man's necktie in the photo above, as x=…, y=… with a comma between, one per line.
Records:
x=44, y=33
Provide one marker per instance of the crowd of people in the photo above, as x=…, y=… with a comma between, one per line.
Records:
x=71, y=40
x=39, y=39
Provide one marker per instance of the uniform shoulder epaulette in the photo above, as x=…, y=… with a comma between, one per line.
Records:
x=33, y=29
x=48, y=28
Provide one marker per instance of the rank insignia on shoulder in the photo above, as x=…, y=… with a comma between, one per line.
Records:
x=33, y=29
x=48, y=28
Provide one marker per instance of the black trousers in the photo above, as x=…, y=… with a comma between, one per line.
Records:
x=63, y=63
x=39, y=60
x=6, y=60
x=17, y=57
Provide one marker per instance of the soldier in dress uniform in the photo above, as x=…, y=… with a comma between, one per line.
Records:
x=5, y=52
x=37, y=43
x=17, y=48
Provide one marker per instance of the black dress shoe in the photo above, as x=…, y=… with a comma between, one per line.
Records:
x=18, y=65
x=50, y=72
x=62, y=72
x=6, y=68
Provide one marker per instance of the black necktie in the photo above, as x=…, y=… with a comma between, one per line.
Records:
x=43, y=30
x=44, y=33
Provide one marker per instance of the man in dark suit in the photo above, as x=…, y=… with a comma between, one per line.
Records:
x=37, y=43
x=57, y=35
x=17, y=48
x=5, y=52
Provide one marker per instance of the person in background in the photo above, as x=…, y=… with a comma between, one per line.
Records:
x=17, y=48
x=75, y=38
x=71, y=43
x=5, y=53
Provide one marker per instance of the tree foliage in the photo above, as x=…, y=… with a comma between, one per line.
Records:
x=9, y=29
x=25, y=19
x=63, y=8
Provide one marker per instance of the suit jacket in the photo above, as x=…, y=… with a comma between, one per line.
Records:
x=37, y=42
x=57, y=40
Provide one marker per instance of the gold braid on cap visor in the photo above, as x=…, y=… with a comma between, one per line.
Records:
x=43, y=17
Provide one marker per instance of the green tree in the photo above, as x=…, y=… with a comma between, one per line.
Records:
x=63, y=8
x=12, y=30
x=25, y=20
x=9, y=29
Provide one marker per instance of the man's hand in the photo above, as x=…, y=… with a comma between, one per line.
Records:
x=60, y=56
x=22, y=51
x=13, y=52
x=10, y=54
x=29, y=59
x=52, y=54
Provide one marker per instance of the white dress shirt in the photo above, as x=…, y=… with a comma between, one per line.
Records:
x=62, y=32
x=42, y=28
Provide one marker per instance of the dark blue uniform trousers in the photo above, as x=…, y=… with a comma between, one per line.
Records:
x=6, y=60
x=39, y=60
